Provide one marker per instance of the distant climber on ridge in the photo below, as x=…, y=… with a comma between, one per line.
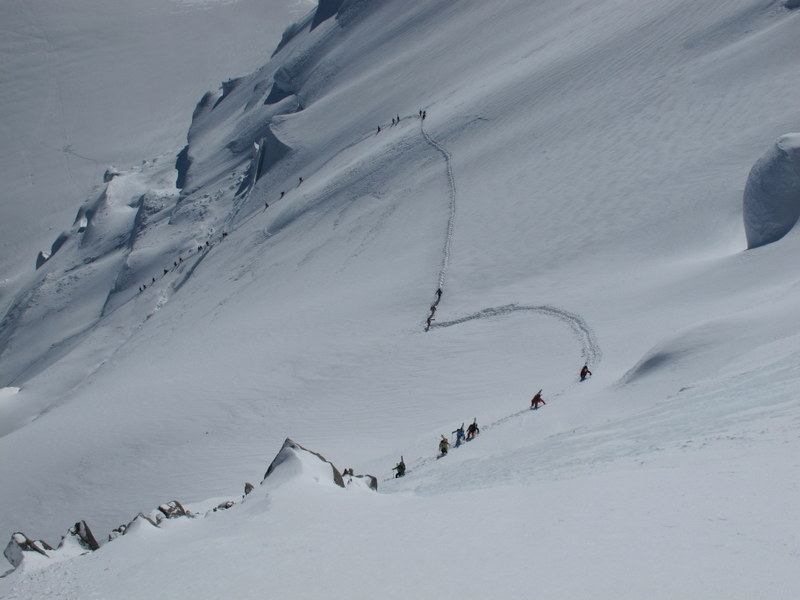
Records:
x=537, y=400
x=473, y=430
x=584, y=372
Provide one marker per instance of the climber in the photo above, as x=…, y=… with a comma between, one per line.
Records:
x=584, y=372
x=444, y=445
x=537, y=400
x=400, y=468
x=473, y=430
x=459, y=435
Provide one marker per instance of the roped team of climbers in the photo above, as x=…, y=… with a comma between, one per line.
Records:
x=461, y=436
x=473, y=429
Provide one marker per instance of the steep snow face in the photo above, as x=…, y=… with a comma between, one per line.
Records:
x=99, y=82
x=575, y=191
x=772, y=194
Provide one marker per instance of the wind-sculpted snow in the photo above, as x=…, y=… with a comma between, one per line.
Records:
x=772, y=194
x=91, y=271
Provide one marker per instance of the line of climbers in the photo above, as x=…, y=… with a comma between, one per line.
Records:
x=396, y=120
x=208, y=245
x=462, y=435
x=430, y=318
x=472, y=431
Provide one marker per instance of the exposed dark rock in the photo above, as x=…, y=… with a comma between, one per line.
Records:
x=174, y=509
x=370, y=480
x=84, y=536
x=116, y=532
x=286, y=451
x=20, y=544
x=126, y=529
x=224, y=506
x=373, y=481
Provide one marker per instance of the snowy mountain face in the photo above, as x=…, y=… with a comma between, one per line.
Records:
x=572, y=177
x=93, y=83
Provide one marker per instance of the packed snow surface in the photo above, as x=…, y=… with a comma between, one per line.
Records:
x=571, y=176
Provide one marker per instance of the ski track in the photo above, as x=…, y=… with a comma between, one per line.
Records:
x=590, y=349
x=452, y=218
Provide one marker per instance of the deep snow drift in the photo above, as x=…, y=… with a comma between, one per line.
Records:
x=575, y=189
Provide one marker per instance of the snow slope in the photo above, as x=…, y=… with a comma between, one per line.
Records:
x=576, y=191
x=91, y=83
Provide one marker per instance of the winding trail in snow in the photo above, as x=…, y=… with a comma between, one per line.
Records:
x=590, y=348
x=590, y=352
x=451, y=221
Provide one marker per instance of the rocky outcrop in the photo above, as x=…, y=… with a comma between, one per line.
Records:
x=292, y=461
x=291, y=451
x=174, y=510
x=369, y=481
x=20, y=544
x=224, y=506
x=84, y=536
